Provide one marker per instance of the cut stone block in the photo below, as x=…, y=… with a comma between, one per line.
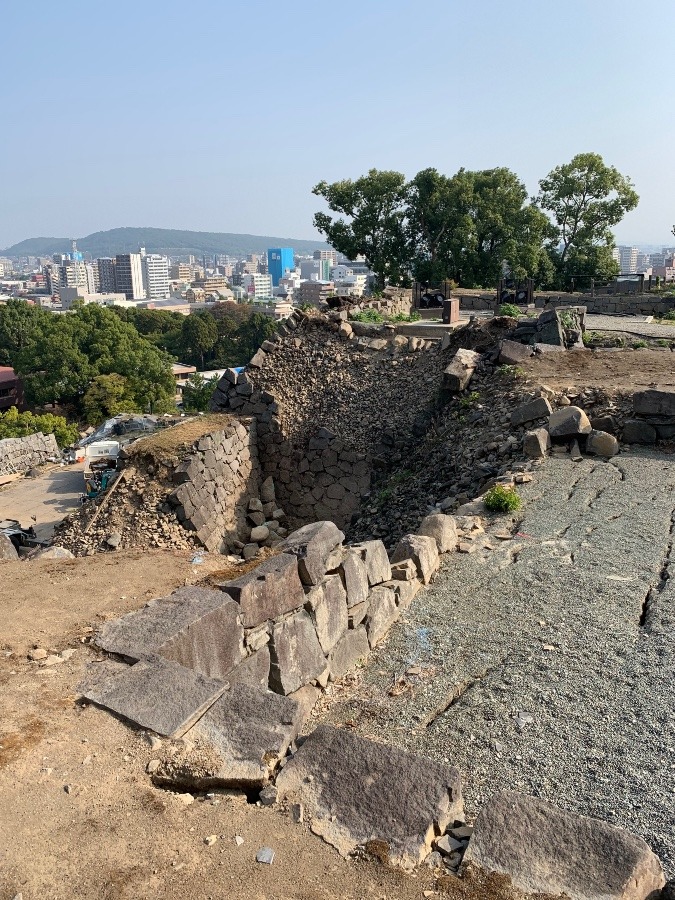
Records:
x=405, y=570
x=602, y=444
x=405, y=592
x=536, y=443
x=382, y=613
x=351, y=647
x=658, y=401
x=511, y=353
x=355, y=576
x=195, y=627
x=422, y=550
x=357, y=614
x=313, y=545
x=254, y=670
x=237, y=743
x=637, y=431
x=356, y=790
x=158, y=694
x=327, y=605
x=268, y=591
x=568, y=421
x=374, y=555
x=539, y=408
x=458, y=374
x=296, y=654
x=442, y=529
x=7, y=549
x=547, y=850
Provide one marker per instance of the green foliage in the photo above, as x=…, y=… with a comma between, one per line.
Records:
x=585, y=199
x=15, y=424
x=373, y=316
x=197, y=393
x=502, y=499
x=107, y=396
x=469, y=399
x=639, y=345
x=402, y=317
x=374, y=207
x=509, y=309
x=669, y=316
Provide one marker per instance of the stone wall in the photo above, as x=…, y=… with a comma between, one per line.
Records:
x=635, y=305
x=21, y=454
x=333, y=399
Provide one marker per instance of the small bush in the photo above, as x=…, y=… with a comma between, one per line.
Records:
x=509, y=309
x=502, y=499
x=670, y=315
x=639, y=345
x=368, y=315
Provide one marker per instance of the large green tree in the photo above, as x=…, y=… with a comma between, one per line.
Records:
x=199, y=335
x=372, y=221
x=585, y=198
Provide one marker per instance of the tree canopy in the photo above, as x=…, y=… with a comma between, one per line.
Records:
x=473, y=227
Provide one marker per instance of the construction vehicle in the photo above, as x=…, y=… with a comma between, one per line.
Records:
x=20, y=537
x=100, y=467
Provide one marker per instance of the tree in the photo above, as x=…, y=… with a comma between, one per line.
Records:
x=375, y=209
x=199, y=334
x=107, y=396
x=16, y=424
x=197, y=393
x=585, y=199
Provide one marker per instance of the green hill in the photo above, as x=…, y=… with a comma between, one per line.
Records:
x=161, y=240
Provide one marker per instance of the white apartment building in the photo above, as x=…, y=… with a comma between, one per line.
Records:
x=628, y=257
x=129, y=275
x=156, y=276
x=74, y=273
x=351, y=286
x=70, y=294
x=257, y=285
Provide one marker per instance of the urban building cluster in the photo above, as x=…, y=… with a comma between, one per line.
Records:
x=634, y=261
x=274, y=282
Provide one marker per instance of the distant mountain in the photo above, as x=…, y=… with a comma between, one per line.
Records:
x=161, y=240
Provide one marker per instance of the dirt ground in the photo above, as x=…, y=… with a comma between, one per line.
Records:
x=621, y=370
x=79, y=816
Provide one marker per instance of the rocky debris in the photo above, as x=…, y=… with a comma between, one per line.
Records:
x=567, y=422
x=562, y=327
x=356, y=790
x=544, y=849
x=423, y=552
x=458, y=374
x=54, y=552
x=265, y=855
x=537, y=408
x=442, y=529
x=600, y=443
x=314, y=546
x=537, y=443
x=247, y=732
x=268, y=591
x=7, y=550
x=158, y=694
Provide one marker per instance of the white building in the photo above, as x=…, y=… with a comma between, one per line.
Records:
x=129, y=275
x=339, y=273
x=74, y=273
x=351, y=286
x=70, y=294
x=156, y=276
x=628, y=257
x=257, y=285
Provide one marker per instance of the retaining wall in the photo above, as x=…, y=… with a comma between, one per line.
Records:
x=21, y=454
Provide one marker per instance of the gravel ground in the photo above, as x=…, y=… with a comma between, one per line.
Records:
x=538, y=665
x=630, y=325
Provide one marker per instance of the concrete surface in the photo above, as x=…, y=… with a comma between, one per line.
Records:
x=49, y=498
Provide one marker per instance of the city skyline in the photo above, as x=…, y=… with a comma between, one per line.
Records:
x=399, y=86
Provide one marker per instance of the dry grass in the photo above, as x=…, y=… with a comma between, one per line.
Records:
x=171, y=440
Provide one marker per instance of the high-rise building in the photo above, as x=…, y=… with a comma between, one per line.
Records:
x=279, y=261
x=106, y=274
x=327, y=254
x=628, y=260
x=129, y=275
x=182, y=272
x=75, y=273
x=257, y=285
x=156, y=276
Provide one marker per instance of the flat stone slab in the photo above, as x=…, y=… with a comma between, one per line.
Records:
x=352, y=646
x=254, y=670
x=658, y=401
x=355, y=576
x=382, y=613
x=327, y=605
x=296, y=654
x=313, y=545
x=268, y=591
x=237, y=743
x=356, y=790
x=158, y=694
x=374, y=555
x=547, y=850
x=539, y=408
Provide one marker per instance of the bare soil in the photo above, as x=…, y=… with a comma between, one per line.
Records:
x=612, y=370
x=79, y=816
x=172, y=440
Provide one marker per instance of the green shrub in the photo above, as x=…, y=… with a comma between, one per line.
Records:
x=638, y=345
x=372, y=316
x=14, y=424
x=670, y=315
x=509, y=309
x=502, y=499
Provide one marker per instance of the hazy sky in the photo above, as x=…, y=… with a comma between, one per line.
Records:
x=220, y=115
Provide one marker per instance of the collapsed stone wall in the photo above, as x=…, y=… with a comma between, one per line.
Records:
x=332, y=400
x=22, y=453
x=174, y=494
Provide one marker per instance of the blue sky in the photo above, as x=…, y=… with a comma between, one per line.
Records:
x=221, y=116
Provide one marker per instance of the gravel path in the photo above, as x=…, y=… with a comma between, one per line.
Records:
x=630, y=325
x=542, y=667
